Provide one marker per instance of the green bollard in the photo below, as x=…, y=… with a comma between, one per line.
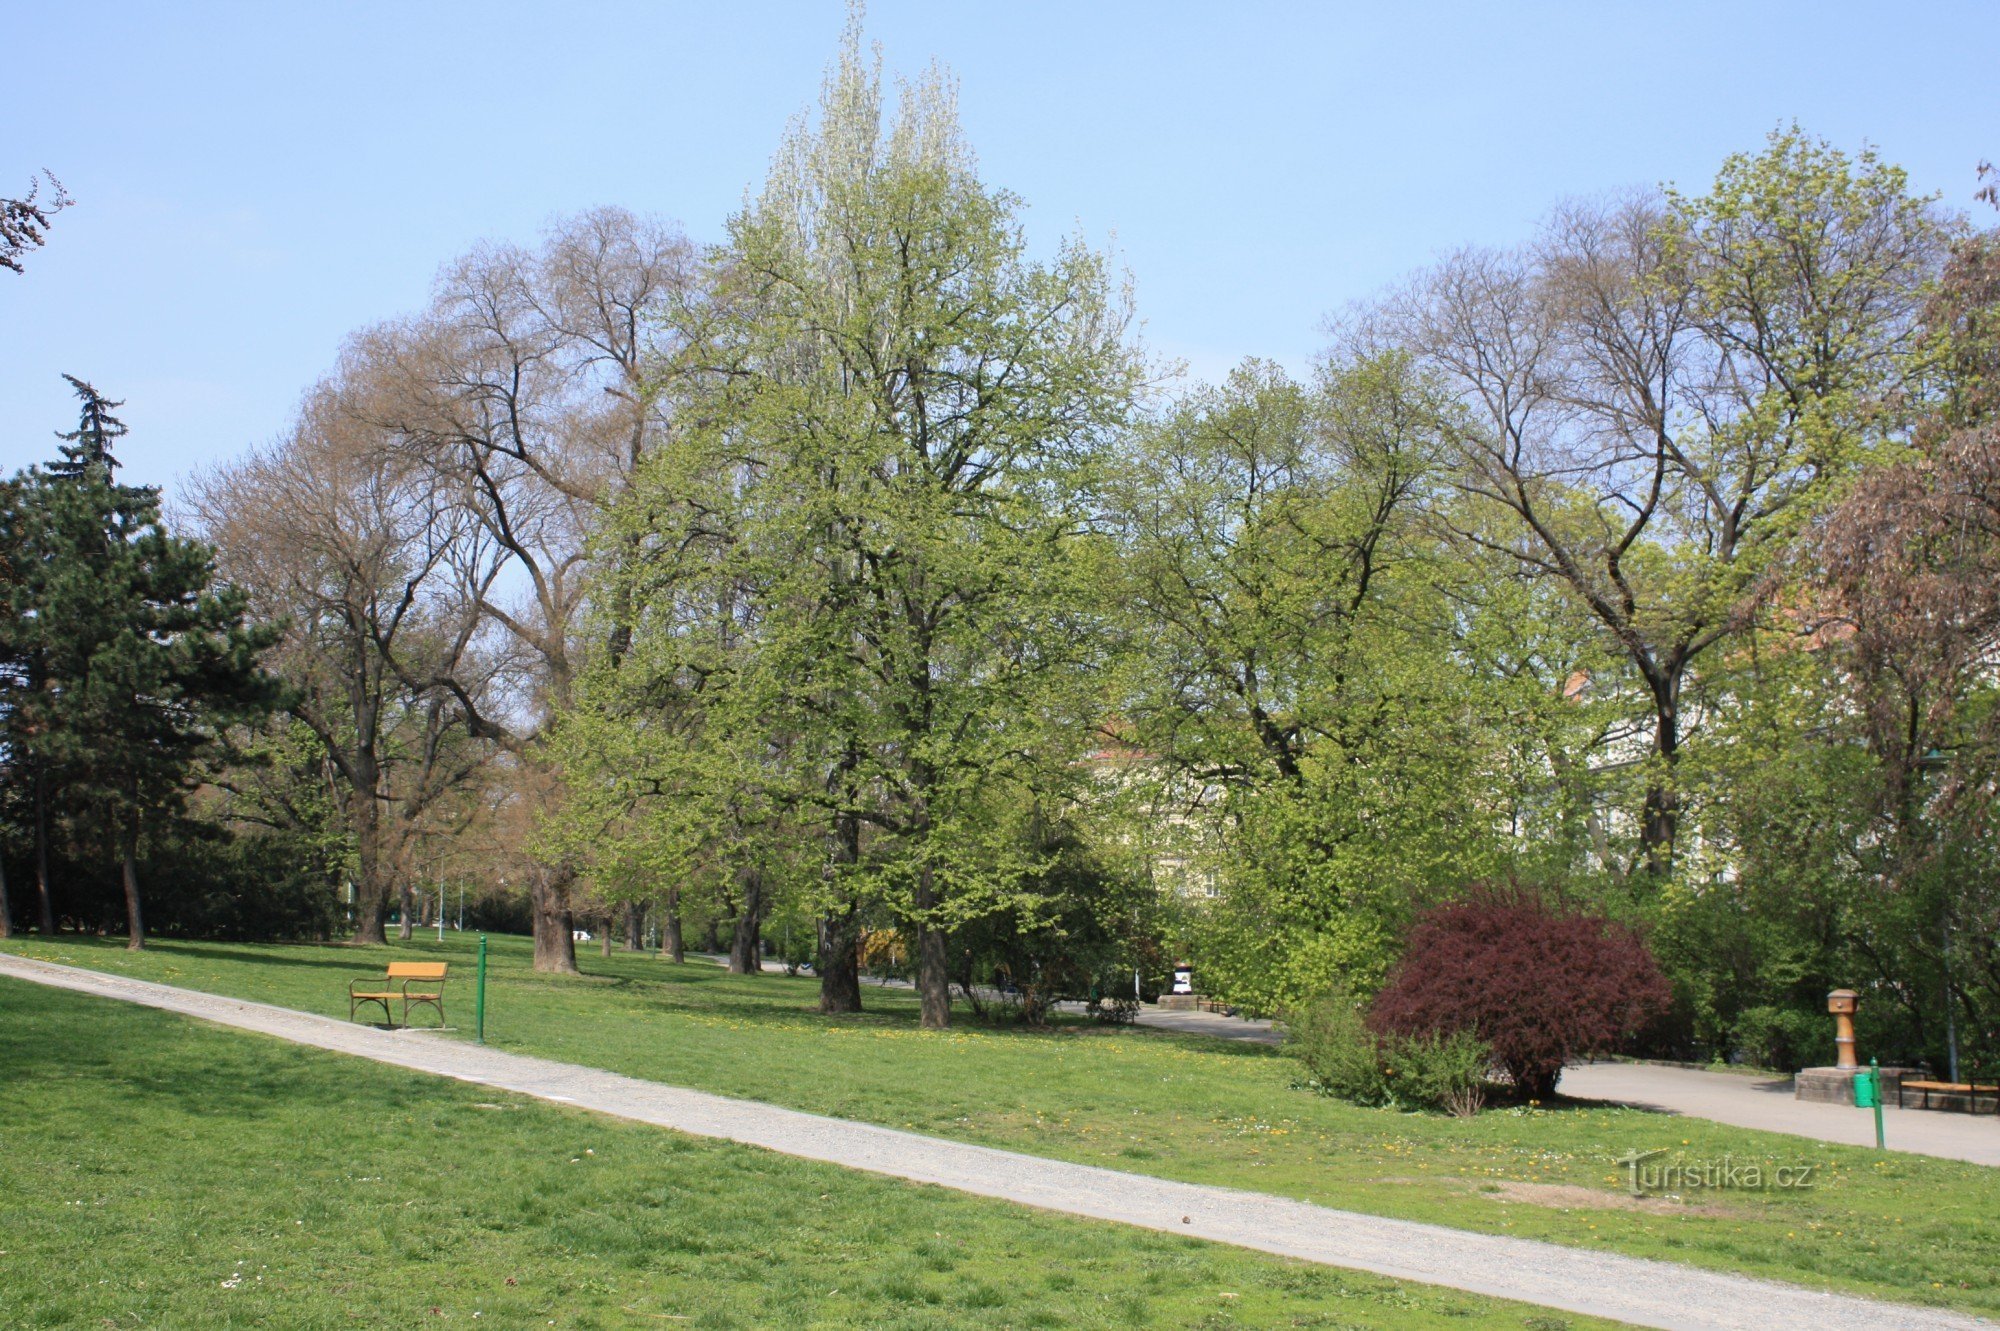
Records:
x=479, y=994
x=1875, y=1076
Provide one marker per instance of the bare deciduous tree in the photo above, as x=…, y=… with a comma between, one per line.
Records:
x=24, y=222
x=1661, y=391
x=379, y=574
x=529, y=388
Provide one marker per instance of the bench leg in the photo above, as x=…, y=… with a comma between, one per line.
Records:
x=437, y=1003
x=388, y=1017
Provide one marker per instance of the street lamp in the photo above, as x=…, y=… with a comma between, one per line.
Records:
x=1931, y=761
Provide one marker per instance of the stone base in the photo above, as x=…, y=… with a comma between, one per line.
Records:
x=1835, y=1086
x=1179, y=1003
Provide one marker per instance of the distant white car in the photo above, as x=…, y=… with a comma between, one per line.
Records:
x=579, y=935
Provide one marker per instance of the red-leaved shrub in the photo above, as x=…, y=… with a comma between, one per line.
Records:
x=1539, y=982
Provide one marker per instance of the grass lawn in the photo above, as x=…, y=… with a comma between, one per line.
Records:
x=1895, y=1226
x=158, y=1172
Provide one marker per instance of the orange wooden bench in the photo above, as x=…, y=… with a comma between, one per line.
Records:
x=429, y=973
x=1967, y=1089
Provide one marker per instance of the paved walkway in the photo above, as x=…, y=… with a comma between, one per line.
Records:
x=1181, y=1022
x=1767, y=1103
x=1646, y=1293
x=1210, y=1023
x=1723, y=1097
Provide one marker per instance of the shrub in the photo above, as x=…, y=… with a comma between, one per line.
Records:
x=1783, y=1038
x=1074, y=929
x=1340, y=1053
x=1118, y=1010
x=1344, y=1058
x=1439, y=1071
x=1540, y=982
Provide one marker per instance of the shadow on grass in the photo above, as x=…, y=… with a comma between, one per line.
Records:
x=142, y=1055
x=902, y=1012
x=338, y=956
x=646, y=978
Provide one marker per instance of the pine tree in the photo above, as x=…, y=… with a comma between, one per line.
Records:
x=13, y=677
x=132, y=665
x=23, y=693
x=89, y=444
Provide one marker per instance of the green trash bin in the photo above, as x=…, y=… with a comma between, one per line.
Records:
x=1868, y=1095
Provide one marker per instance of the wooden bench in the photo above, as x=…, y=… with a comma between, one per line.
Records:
x=429, y=973
x=1964, y=1088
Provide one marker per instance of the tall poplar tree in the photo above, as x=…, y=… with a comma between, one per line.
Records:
x=889, y=470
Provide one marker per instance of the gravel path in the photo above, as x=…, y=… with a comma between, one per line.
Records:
x=1767, y=1103
x=1646, y=1293
x=1211, y=1024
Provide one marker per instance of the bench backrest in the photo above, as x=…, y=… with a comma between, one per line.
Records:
x=417, y=970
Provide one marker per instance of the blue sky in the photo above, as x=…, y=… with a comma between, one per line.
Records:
x=255, y=181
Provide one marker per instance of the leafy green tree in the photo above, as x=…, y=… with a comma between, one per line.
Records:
x=874, y=508
x=1297, y=677
x=1909, y=579
x=1082, y=923
x=139, y=665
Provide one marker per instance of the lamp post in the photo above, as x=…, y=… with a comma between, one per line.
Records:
x=1932, y=761
x=479, y=994
x=1950, y=1006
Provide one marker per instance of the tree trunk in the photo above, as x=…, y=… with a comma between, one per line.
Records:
x=634, y=919
x=371, y=893
x=746, y=943
x=555, y=928
x=838, y=961
x=711, y=936
x=604, y=935
x=966, y=987
x=6, y=910
x=839, y=964
x=1659, y=824
x=135, y=927
x=44, y=898
x=672, y=946
x=406, y=910
x=933, y=968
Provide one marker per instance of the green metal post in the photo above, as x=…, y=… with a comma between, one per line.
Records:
x=479, y=994
x=1875, y=1071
